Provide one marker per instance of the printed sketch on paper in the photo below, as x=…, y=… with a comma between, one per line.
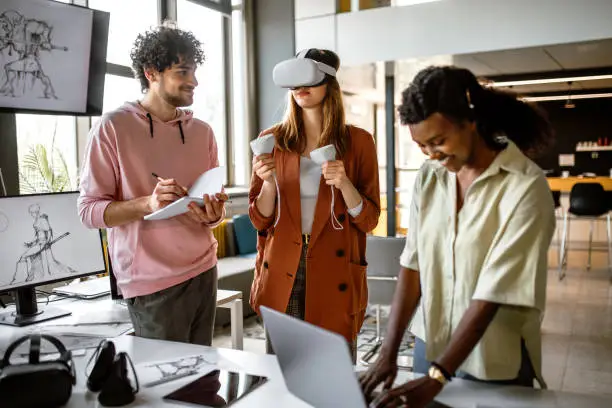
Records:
x=38, y=260
x=180, y=366
x=25, y=39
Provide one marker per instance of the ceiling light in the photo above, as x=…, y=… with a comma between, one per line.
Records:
x=564, y=97
x=546, y=81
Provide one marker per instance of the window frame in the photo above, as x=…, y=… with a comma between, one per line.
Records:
x=167, y=9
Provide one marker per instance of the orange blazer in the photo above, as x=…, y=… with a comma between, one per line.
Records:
x=336, y=286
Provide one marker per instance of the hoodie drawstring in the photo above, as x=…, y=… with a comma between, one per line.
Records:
x=181, y=130
x=150, y=124
x=151, y=128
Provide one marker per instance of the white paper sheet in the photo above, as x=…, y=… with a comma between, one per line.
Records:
x=210, y=182
x=152, y=372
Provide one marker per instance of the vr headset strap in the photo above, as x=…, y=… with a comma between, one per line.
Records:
x=329, y=70
x=34, y=348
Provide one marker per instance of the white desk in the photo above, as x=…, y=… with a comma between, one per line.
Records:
x=459, y=393
x=232, y=300
x=86, y=311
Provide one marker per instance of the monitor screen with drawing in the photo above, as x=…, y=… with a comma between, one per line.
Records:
x=42, y=241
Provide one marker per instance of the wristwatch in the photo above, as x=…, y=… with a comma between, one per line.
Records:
x=435, y=373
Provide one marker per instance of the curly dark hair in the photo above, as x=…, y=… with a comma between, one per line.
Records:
x=456, y=93
x=162, y=47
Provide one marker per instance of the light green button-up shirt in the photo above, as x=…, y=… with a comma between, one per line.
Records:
x=493, y=249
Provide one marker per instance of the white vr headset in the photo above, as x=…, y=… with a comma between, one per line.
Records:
x=300, y=71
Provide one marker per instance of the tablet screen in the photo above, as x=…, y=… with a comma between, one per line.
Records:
x=219, y=388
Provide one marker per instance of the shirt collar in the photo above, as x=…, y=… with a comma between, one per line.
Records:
x=510, y=159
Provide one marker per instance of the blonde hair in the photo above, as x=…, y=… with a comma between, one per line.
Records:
x=289, y=133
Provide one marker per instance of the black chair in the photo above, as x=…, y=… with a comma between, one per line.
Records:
x=557, y=200
x=587, y=201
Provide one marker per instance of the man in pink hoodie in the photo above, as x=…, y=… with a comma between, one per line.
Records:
x=165, y=269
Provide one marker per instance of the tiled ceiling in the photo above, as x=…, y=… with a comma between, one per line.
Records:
x=554, y=58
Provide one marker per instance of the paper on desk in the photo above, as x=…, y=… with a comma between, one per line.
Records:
x=154, y=371
x=92, y=330
x=210, y=182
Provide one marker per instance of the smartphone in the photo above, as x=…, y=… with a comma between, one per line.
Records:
x=219, y=388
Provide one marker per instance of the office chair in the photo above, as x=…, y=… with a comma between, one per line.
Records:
x=587, y=201
x=382, y=255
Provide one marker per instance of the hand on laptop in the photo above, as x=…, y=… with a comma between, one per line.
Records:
x=414, y=394
x=383, y=371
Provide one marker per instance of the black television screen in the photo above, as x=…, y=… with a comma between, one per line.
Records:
x=52, y=57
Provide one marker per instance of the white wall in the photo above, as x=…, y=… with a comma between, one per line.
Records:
x=313, y=8
x=459, y=26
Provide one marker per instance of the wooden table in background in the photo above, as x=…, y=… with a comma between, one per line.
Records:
x=565, y=184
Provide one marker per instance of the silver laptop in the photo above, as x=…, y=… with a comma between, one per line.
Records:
x=89, y=289
x=315, y=363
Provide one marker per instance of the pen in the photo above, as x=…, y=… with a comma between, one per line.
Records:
x=186, y=192
x=170, y=378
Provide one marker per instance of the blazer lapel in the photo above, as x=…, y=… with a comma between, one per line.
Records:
x=322, y=209
x=291, y=191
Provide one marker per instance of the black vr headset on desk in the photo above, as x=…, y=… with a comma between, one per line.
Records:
x=53, y=380
x=37, y=383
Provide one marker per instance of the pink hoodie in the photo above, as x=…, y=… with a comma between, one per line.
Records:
x=124, y=148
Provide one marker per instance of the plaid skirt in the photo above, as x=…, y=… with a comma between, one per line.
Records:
x=297, y=301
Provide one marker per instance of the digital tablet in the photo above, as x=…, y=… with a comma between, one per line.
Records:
x=219, y=388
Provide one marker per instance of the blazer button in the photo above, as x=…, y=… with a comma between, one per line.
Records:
x=265, y=264
x=342, y=287
x=341, y=217
x=340, y=253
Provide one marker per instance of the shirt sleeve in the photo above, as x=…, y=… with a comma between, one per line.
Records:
x=409, y=258
x=99, y=175
x=354, y=212
x=516, y=267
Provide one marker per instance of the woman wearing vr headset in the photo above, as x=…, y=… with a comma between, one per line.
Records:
x=313, y=212
x=474, y=267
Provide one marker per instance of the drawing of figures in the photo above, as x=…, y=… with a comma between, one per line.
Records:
x=38, y=261
x=27, y=38
x=183, y=365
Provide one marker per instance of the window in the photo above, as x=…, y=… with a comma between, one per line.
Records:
x=118, y=90
x=240, y=139
x=128, y=18
x=47, y=153
x=209, y=98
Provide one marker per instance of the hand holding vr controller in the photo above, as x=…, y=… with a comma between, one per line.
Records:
x=263, y=164
x=263, y=161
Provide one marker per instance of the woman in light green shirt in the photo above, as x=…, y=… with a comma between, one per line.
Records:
x=473, y=272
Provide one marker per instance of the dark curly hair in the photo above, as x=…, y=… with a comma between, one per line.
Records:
x=162, y=47
x=456, y=93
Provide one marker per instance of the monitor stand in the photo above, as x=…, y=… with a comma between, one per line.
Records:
x=27, y=312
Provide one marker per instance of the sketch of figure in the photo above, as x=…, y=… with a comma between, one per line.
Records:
x=38, y=261
x=27, y=38
x=180, y=366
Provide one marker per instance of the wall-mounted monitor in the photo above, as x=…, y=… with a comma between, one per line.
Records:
x=52, y=57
